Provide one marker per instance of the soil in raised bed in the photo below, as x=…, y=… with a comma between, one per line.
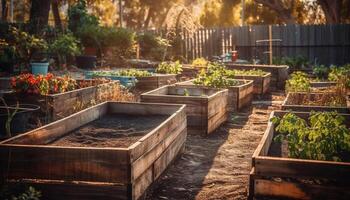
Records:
x=111, y=131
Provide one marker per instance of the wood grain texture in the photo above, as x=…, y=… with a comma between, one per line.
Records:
x=203, y=112
x=129, y=170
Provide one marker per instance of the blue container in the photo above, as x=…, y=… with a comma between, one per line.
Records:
x=39, y=68
x=126, y=81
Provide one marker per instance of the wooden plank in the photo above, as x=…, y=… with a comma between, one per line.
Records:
x=284, y=189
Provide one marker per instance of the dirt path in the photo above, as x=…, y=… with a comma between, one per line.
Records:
x=217, y=166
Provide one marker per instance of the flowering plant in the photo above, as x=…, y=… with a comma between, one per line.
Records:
x=42, y=85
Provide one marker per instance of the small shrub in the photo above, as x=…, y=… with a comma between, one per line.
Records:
x=169, y=68
x=299, y=82
x=65, y=45
x=152, y=47
x=325, y=137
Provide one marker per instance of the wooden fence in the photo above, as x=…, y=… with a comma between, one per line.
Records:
x=324, y=44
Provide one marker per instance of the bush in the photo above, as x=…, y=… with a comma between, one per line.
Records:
x=169, y=68
x=78, y=16
x=152, y=47
x=123, y=40
x=340, y=73
x=321, y=71
x=65, y=45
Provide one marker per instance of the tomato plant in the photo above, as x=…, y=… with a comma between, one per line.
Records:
x=325, y=137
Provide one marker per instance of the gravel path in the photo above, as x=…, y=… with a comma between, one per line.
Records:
x=217, y=166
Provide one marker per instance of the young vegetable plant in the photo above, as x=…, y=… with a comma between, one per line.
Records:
x=325, y=137
x=253, y=72
x=169, y=68
x=200, y=63
x=215, y=76
x=299, y=82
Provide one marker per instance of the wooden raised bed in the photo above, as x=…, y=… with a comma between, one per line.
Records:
x=152, y=82
x=296, y=178
x=279, y=73
x=206, y=108
x=322, y=84
x=58, y=106
x=239, y=96
x=261, y=83
x=85, y=172
x=189, y=72
x=290, y=104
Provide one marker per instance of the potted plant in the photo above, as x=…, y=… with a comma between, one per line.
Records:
x=63, y=46
x=29, y=49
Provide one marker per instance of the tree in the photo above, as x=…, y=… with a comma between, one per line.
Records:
x=39, y=13
x=284, y=9
x=4, y=9
x=56, y=14
x=335, y=11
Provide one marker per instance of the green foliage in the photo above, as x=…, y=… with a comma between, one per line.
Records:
x=186, y=93
x=295, y=63
x=169, y=68
x=16, y=193
x=321, y=71
x=78, y=16
x=299, y=82
x=65, y=45
x=253, y=72
x=324, y=138
x=215, y=76
x=152, y=46
x=338, y=73
x=25, y=45
x=200, y=63
x=126, y=72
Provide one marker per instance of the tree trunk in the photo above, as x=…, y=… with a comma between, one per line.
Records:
x=148, y=18
x=56, y=15
x=331, y=9
x=39, y=13
x=4, y=9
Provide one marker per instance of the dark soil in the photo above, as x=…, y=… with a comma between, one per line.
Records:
x=111, y=131
x=218, y=166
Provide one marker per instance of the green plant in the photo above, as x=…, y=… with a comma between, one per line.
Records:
x=325, y=137
x=10, y=116
x=200, y=63
x=152, y=46
x=186, y=93
x=215, y=76
x=123, y=40
x=295, y=63
x=78, y=16
x=169, y=68
x=253, y=72
x=16, y=193
x=126, y=72
x=341, y=73
x=321, y=71
x=65, y=45
x=25, y=45
x=299, y=82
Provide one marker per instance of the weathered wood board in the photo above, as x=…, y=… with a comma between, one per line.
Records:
x=261, y=83
x=239, y=96
x=152, y=82
x=289, y=105
x=279, y=73
x=206, y=108
x=80, y=172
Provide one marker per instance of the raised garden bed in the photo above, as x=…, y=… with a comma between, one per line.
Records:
x=279, y=73
x=189, y=72
x=261, y=84
x=58, y=106
x=109, y=151
x=143, y=83
x=206, y=108
x=275, y=176
x=307, y=102
x=239, y=96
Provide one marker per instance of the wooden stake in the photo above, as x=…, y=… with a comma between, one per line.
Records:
x=270, y=43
